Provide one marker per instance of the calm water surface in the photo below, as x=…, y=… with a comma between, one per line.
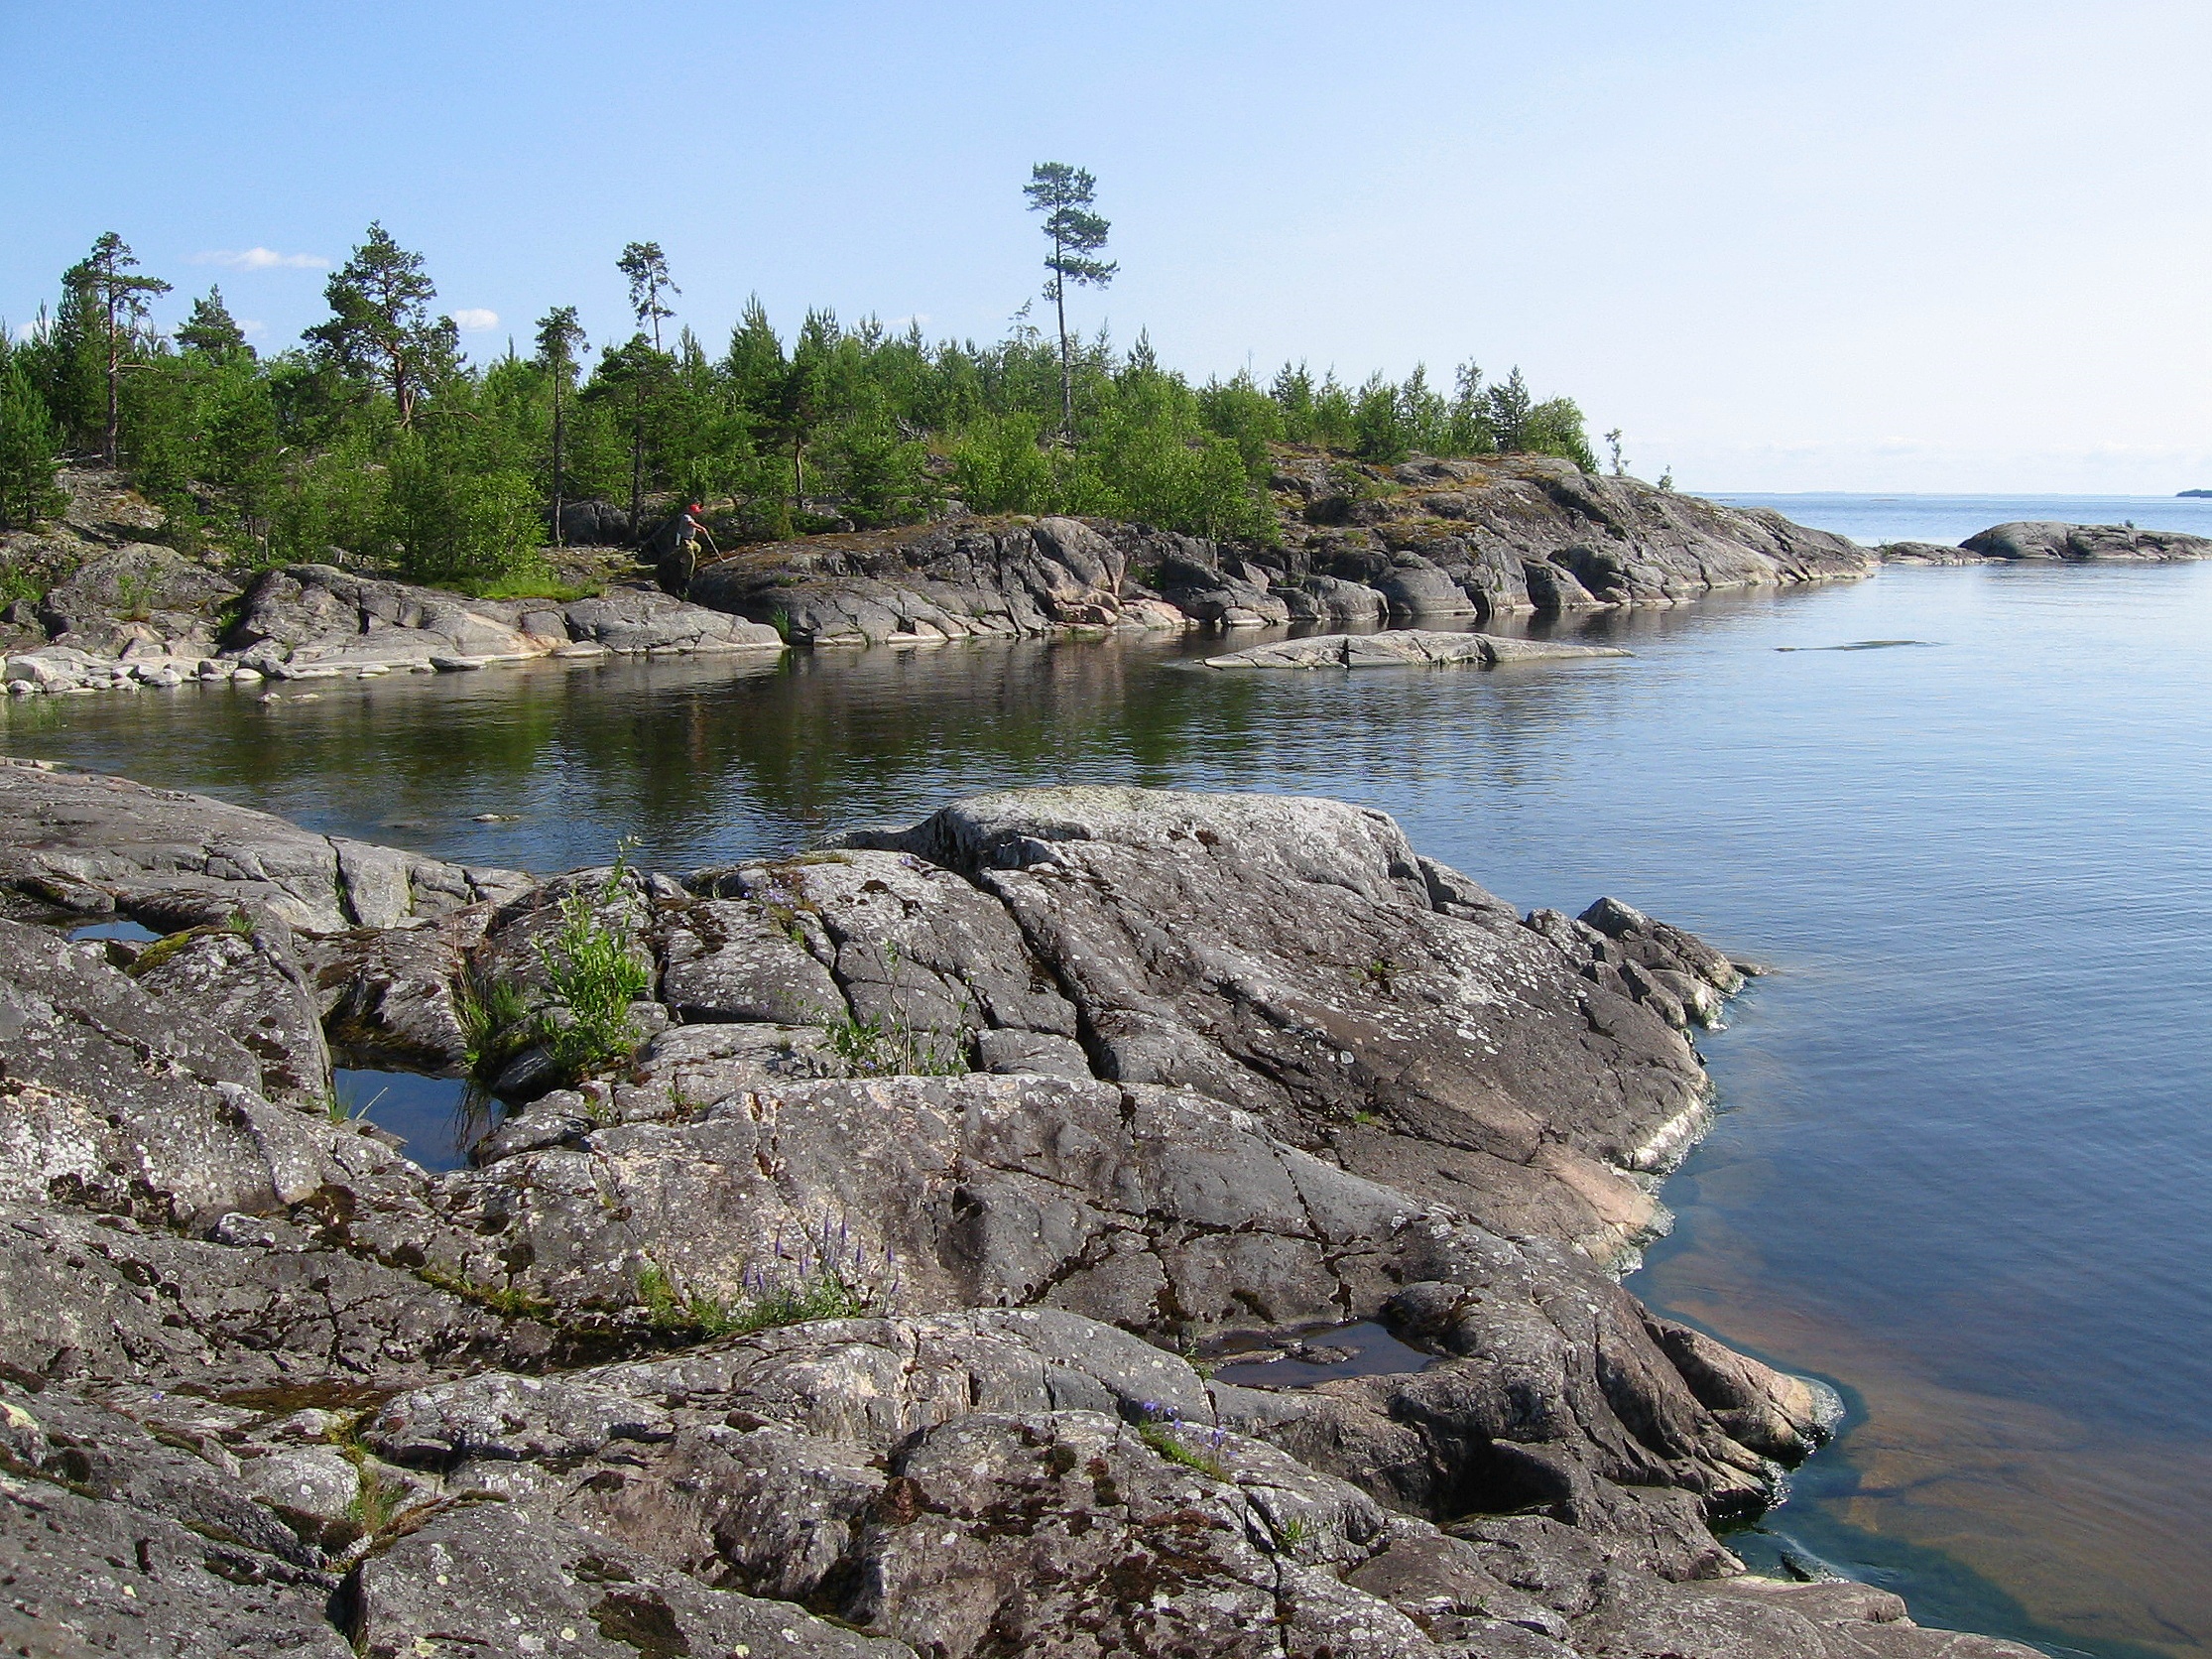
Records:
x=1966, y=1149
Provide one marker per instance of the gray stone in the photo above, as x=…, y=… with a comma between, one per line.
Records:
x=488, y=1578
x=2084, y=542
x=137, y=845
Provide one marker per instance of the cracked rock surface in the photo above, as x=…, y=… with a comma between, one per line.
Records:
x=1036, y=1102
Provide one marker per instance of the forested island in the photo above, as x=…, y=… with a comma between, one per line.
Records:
x=376, y=435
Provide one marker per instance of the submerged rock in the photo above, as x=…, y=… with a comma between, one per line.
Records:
x=1406, y=647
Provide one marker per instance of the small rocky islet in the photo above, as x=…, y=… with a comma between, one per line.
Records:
x=863, y=1296
x=1041, y=1100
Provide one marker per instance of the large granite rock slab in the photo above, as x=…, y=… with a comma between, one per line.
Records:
x=138, y=595
x=1342, y=991
x=93, y=845
x=267, y=1385
x=924, y=586
x=2084, y=542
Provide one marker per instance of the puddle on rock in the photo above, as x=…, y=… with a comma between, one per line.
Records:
x=128, y=931
x=1317, y=1354
x=436, y=1118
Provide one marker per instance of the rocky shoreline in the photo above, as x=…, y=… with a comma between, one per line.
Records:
x=1356, y=544
x=1385, y=553
x=866, y=1302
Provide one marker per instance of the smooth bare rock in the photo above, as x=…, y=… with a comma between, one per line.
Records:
x=79, y=830
x=1068, y=1529
x=2084, y=542
x=1325, y=598
x=82, y=1298
x=308, y=622
x=913, y=945
x=1163, y=1213
x=1520, y=533
x=162, y=1566
x=1927, y=553
x=1457, y=1058
x=635, y=620
x=1404, y=648
x=1413, y=587
x=370, y=1406
x=252, y=985
x=140, y=594
x=1111, y=1201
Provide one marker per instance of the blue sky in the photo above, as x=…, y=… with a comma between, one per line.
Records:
x=1853, y=246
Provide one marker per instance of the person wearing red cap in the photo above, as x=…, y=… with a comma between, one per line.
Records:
x=679, y=544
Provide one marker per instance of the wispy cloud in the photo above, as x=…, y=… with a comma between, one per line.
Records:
x=26, y=331
x=474, y=320
x=259, y=259
x=251, y=329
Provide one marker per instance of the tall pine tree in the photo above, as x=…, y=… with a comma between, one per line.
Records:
x=380, y=328
x=1063, y=194
x=558, y=336
x=104, y=278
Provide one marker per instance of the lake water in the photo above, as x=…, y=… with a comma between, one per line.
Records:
x=1963, y=1164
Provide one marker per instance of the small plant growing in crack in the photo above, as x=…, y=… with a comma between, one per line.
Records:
x=592, y=972
x=508, y=1300
x=494, y=1018
x=1162, y=1428
x=1380, y=974
x=892, y=1045
x=819, y=1273
x=378, y=1499
x=358, y=1112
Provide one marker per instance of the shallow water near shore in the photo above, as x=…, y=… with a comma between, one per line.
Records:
x=1966, y=1133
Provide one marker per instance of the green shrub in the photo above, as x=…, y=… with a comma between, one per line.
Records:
x=594, y=973
x=451, y=524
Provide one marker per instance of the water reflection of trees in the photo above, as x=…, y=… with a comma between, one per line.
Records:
x=705, y=759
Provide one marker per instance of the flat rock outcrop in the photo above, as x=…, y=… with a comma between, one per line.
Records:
x=314, y=620
x=142, y=615
x=2048, y=541
x=96, y=846
x=850, y=1314
x=1406, y=648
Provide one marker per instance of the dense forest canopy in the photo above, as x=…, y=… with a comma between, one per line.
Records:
x=374, y=435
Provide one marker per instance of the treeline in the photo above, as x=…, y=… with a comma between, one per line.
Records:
x=374, y=435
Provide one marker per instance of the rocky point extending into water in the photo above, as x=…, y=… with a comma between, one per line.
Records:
x=1354, y=544
x=864, y=1308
